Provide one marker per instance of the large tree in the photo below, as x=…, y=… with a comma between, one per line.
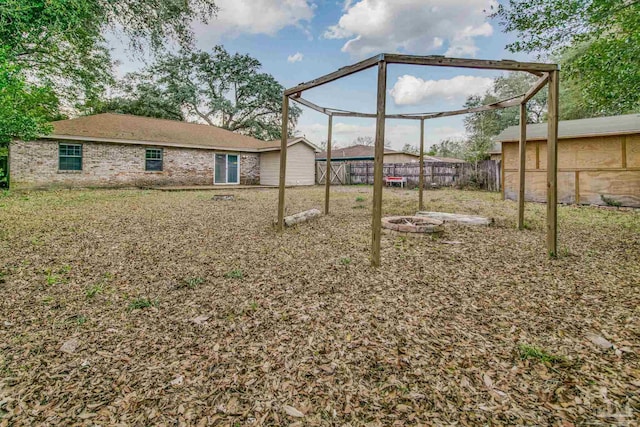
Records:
x=597, y=41
x=223, y=89
x=25, y=108
x=138, y=95
x=60, y=44
x=481, y=127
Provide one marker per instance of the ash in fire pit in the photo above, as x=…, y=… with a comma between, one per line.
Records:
x=412, y=224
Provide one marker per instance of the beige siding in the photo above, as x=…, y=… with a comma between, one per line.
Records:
x=400, y=158
x=589, y=169
x=300, y=166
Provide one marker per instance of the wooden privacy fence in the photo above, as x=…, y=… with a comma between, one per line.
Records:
x=484, y=175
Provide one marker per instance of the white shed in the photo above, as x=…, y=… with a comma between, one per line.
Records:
x=301, y=159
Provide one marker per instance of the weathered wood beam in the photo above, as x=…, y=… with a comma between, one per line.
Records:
x=311, y=105
x=522, y=163
x=342, y=72
x=283, y=161
x=327, y=184
x=441, y=61
x=537, y=86
x=421, y=179
x=376, y=226
x=552, y=164
x=510, y=102
x=340, y=113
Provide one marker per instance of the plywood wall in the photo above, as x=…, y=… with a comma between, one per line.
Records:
x=588, y=169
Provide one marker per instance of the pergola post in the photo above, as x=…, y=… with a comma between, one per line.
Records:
x=327, y=184
x=522, y=164
x=376, y=225
x=283, y=160
x=552, y=164
x=421, y=179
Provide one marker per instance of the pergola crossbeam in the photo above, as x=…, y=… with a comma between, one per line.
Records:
x=342, y=72
x=509, y=102
x=442, y=61
x=505, y=103
x=537, y=86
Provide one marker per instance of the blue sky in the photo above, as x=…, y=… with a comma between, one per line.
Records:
x=299, y=40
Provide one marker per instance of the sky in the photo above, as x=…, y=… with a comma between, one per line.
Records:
x=300, y=40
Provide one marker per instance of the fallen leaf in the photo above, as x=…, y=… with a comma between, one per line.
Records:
x=70, y=346
x=599, y=340
x=293, y=412
x=200, y=320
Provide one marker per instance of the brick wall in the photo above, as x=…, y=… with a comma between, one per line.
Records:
x=250, y=169
x=34, y=164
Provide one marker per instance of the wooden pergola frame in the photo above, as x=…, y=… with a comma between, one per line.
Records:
x=548, y=75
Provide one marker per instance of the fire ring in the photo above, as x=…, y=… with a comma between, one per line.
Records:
x=412, y=224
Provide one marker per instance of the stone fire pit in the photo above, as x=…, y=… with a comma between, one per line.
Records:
x=412, y=224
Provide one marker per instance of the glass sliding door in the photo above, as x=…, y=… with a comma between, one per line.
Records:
x=221, y=169
x=232, y=169
x=227, y=169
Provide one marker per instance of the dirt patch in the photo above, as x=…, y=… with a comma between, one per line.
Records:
x=183, y=311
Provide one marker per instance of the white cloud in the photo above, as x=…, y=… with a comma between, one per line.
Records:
x=258, y=16
x=296, y=57
x=396, y=134
x=411, y=90
x=412, y=26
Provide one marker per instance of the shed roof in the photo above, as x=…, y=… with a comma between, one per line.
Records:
x=129, y=129
x=614, y=125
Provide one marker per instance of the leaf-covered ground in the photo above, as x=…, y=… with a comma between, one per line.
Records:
x=168, y=308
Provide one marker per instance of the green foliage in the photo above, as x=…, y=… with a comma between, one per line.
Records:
x=57, y=277
x=234, y=274
x=483, y=126
x=94, y=290
x=60, y=45
x=598, y=43
x=215, y=87
x=25, y=108
x=345, y=261
x=192, y=282
x=138, y=96
x=610, y=202
x=142, y=303
x=360, y=199
x=449, y=147
x=532, y=352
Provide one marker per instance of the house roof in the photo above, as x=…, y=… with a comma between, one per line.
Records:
x=358, y=151
x=614, y=125
x=129, y=129
x=367, y=152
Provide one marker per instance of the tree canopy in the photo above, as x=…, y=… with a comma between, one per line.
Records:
x=25, y=109
x=216, y=87
x=597, y=43
x=138, y=95
x=59, y=46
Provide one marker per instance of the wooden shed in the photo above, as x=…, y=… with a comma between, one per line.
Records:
x=598, y=161
x=300, y=164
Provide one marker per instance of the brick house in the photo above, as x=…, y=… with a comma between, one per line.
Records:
x=112, y=150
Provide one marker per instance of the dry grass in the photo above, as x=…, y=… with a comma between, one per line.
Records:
x=188, y=311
